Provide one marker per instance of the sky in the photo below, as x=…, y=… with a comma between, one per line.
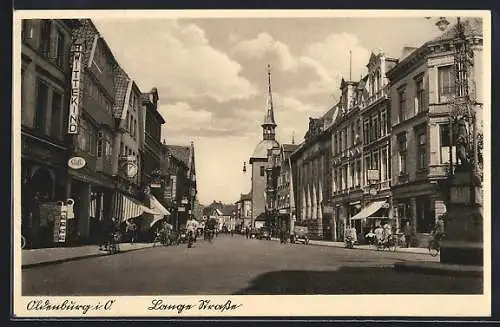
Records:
x=211, y=76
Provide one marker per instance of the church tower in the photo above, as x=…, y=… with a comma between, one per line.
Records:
x=258, y=160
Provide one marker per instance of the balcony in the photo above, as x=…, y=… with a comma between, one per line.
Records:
x=403, y=178
x=438, y=172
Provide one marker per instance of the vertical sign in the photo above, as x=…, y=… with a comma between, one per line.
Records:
x=60, y=226
x=174, y=187
x=75, y=90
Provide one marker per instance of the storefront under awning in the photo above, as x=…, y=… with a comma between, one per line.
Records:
x=369, y=210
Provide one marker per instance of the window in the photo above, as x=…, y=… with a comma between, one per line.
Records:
x=402, y=153
x=335, y=144
x=383, y=123
x=445, y=142
x=100, y=146
x=366, y=168
x=375, y=128
x=127, y=121
x=262, y=171
x=352, y=182
x=446, y=83
x=353, y=135
x=421, y=150
x=366, y=132
x=402, y=104
x=358, y=130
x=41, y=106
x=82, y=137
x=384, y=166
x=55, y=124
x=45, y=32
x=60, y=53
x=419, y=105
x=375, y=161
x=121, y=149
x=27, y=29
x=345, y=139
x=358, y=172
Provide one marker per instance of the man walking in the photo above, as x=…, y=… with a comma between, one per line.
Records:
x=408, y=233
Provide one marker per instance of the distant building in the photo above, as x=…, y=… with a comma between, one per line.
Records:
x=312, y=176
x=244, y=210
x=258, y=160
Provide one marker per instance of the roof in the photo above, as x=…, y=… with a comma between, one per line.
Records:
x=290, y=147
x=262, y=148
x=180, y=152
x=120, y=89
x=228, y=209
x=472, y=27
x=244, y=197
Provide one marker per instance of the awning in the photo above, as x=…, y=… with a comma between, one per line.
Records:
x=369, y=210
x=124, y=208
x=155, y=213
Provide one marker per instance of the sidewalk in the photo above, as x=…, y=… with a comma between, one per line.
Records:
x=45, y=256
x=363, y=247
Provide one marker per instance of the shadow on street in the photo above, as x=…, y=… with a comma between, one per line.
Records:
x=359, y=280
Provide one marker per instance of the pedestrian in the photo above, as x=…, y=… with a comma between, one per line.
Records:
x=379, y=234
x=131, y=229
x=408, y=233
x=370, y=237
x=439, y=229
x=247, y=232
x=105, y=230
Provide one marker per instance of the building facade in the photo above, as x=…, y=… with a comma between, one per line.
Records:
x=311, y=165
x=45, y=81
x=347, y=158
x=244, y=210
x=372, y=98
x=422, y=90
x=285, y=203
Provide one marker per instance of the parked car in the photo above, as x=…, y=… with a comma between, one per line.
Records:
x=264, y=234
x=301, y=234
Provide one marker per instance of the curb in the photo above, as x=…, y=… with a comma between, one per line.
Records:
x=355, y=248
x=439, y=269
x=88, y=256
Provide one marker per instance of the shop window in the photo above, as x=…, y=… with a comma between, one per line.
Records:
x=41, y=106
x=425, y=215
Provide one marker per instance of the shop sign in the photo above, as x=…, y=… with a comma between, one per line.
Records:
x=76, y=163
x=60, y=227
x=75, y=90
x=155, y=185
x=181, y=209
x=129, y=166
x=328, y=209
x=373, y=191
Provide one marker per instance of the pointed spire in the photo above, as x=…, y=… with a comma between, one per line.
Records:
x=293, y=137
x=269, y=119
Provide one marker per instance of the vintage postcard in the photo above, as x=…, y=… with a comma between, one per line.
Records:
x=251, y=163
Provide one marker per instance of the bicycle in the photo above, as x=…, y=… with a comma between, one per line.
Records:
x=434, y=246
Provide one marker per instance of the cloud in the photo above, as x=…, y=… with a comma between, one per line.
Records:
x=185, y=123
x=264, y=45
x=177, y=58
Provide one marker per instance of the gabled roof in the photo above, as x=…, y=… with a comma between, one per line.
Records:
x=180, y=152
x=290, y=147
x=121, y=86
